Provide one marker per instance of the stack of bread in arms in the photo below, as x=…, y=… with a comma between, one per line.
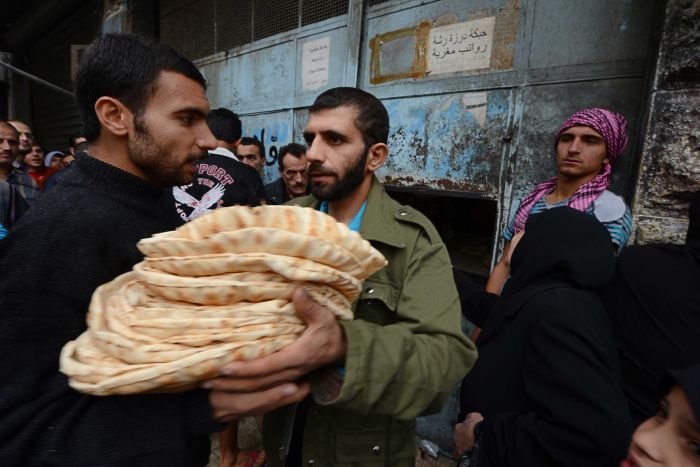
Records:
x=215, y=290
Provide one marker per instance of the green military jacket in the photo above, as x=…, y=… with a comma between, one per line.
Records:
x=405, y=350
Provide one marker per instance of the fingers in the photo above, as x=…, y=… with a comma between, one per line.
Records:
x=228, y=406
x=251, y=381
x=309, y=310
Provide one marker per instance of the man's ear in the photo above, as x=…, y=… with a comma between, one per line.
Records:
x=114, y=116
x=376, y=156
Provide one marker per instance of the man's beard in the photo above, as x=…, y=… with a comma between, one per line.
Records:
x=155, y=161
x=344, y=186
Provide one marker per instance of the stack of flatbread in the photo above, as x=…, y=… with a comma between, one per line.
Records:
x=214, y=291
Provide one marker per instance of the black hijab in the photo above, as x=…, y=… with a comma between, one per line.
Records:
x=653, y=303
x=563, y=244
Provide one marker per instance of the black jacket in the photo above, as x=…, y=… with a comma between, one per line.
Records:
x=81, y=234
x=547, y=379
x=276, y=192
x=220, y=182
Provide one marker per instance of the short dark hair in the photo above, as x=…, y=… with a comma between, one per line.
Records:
x=73, y=138
x=248, y=141
x=295, y=149
x=125, y=67
x=224, y=125
x=372, y=118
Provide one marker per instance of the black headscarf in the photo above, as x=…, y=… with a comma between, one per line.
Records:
x=564, y=244
x=689, y=380
x=653, y=303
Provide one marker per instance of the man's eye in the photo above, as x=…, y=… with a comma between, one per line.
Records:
x=695, y=447
x=566, y=138
x=187, y=120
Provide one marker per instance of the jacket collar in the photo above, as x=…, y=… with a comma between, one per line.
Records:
x=379, y=222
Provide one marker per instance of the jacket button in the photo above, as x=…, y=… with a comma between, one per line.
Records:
x=311, y=462
x=369, y=290
x=376, y=450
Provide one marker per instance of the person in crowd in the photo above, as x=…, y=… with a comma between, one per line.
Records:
x=143, y=107
x=12, y=207
x=9, y=147
x=293, y=181
x=26, y=139
x=671, y=437
x=653, y=303
x=586, y=146
x=221, y=180
x=36, y=165
x=546, y=388
x=54, y=160
x=403, y=353
x=250, y=151
x=76, y=143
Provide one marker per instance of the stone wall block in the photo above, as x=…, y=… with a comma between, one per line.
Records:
x=679, y=60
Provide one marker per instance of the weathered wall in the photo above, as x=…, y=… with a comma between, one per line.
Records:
x=670, y=165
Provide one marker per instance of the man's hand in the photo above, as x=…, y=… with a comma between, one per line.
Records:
x=229, y=406
x=321, y=343
x=464, y=433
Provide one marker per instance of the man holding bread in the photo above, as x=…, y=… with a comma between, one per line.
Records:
x=403, y=353
x=143, y=108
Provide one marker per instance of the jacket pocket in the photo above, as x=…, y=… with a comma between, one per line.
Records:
x=377, y=303
x=376, y=448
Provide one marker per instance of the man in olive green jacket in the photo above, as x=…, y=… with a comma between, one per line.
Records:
x=404, y=352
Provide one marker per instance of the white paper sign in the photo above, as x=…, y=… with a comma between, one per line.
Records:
x=314, y=63
x=461, y=47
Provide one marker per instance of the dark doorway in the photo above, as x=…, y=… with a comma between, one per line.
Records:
x=466, y=225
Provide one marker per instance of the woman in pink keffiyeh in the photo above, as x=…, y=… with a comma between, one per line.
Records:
x=586, y=147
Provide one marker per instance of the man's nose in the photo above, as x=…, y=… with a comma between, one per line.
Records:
x=206, y=139
x=575, y=145
x=313, y=152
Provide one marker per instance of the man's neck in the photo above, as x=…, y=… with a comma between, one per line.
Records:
x=115, y=155
x=5, y=171
x=345, y=210
x=566, y=187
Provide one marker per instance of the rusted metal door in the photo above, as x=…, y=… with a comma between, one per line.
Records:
x=475, y=89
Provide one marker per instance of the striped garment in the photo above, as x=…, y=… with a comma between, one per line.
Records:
x=618, y=229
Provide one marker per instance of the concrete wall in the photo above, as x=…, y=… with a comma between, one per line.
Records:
x=670, y=164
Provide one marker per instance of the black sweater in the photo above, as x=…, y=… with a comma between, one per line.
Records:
x=81, y=235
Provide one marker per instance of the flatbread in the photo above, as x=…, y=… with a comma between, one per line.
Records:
x=292, y=269
x=295, y=219
x=213, y=292
x=256, y=240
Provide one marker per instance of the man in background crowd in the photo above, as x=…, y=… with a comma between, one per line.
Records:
x=9, y=150
x=26, y=139
x=251, y=152
x=293, y=181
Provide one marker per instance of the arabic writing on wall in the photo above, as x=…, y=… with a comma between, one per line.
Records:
x=461, y=46
x=315, y=58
